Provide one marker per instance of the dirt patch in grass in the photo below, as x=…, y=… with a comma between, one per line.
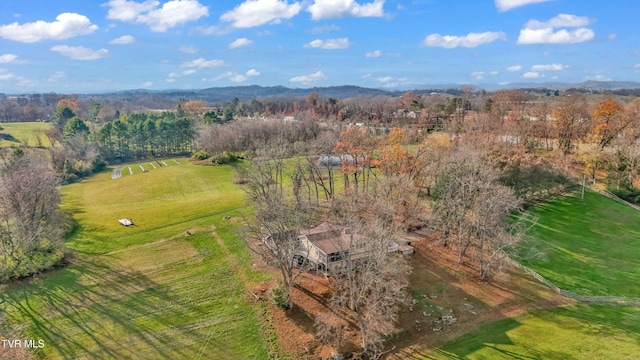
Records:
x=440, y=288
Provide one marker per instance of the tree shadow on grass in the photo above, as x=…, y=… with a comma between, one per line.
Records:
x=93, y=311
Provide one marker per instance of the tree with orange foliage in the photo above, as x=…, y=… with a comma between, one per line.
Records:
x=194, y=108
x=355, y=147
x=609, y=120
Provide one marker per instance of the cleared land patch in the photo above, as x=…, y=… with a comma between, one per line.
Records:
x=592, y=245
x=13, y=134
x=149, y=290
x=576, y=332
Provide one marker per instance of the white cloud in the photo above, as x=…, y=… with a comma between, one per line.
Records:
x=478, y=75
x=470, y=40
x=324, y=29
x=188, y=49
x=146, y=85
x=203, y=63
x=537, y=32
x=80, y=52
x=66, y=25
x=493, y=72
x=189, y=72
x=56, y=76
x=8, y=58
x=514, y=68
x=366, y=76
x=159, y=19
x=329, y=44
x=123, y=40
x=307, y=79
x=333, y=9
x=373, y=54
x=238, y=43
x=531, y=75
x=385, y=79
x=6, y=75
x=172, y=77
x=549, y=67
x=636, y=66
x=238, y=78
x=253, y=13
x=506, y=5
x=612, y=36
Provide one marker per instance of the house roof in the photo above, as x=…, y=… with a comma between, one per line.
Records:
x=328, y=237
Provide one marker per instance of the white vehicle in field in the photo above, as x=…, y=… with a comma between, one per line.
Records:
x=126, y=222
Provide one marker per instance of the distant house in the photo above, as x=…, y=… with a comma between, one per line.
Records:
x=327, y=245
x=289, y=118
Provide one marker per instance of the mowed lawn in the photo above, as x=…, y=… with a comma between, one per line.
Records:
x=13, y=134
x=577, y=332
x=592, y=244
x=149, y=291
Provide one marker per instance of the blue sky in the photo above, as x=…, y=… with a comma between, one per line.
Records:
x=88, y=46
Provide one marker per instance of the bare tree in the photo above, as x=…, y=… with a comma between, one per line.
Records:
x=471, y=203
x=273, y=231
x=31, y=224
x=370, y=280
x=570, y=120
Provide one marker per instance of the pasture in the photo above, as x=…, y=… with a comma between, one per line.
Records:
x=576, y=332
x=18, y=133
x=591, y=245
x=171, y=286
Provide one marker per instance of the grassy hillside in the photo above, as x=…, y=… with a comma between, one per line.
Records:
x=592, y=244
x=578, y=332
x=150, y=290
x=13, y=134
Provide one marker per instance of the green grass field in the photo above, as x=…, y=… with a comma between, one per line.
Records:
x=577, y=332
x=14, y=134
x=149, y=291
x=592, y=245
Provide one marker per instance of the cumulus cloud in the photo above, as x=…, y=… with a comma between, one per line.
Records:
x=324, y=29
x=123, y=40
x=159, y=19
x=470, y=40
x=478, y=75
x=549, y=67
x=238, y=43
x=189, y=72
x=6, y=75
x=56, y=76
x=333, y=9
x=538, y=32
x=253, y=13
x=203, y=63
x=384, y=79
x=514, y=68
x=308, y=79
x=66, y=25
x=188, y=49
x=531, y=75
x=146, y=85
x=252, y=72
x=373, y=54
x=329, y=44
x=506, y=5
x=80, y=52
x=8, y=58
x=237, y=78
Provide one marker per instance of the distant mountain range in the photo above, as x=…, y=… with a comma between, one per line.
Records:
x=222, y=94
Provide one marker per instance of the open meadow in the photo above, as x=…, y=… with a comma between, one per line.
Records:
x=18, y=133
x=591, y=245
x=576, y=332
x=171, y=286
